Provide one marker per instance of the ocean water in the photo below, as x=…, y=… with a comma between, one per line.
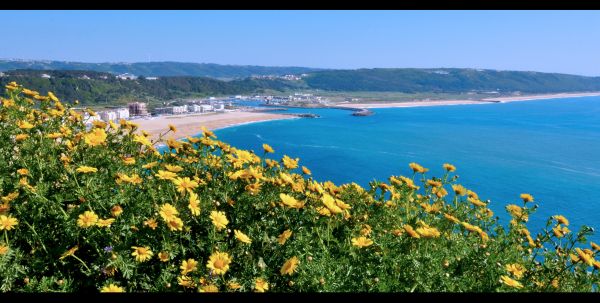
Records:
x=548, y=148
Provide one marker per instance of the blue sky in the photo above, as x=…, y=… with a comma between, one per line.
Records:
x=547, y=41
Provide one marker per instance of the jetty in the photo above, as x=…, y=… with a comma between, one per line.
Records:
x=362, y=112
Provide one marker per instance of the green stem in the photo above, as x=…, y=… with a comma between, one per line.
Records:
x=34, y=232
x=81, y=261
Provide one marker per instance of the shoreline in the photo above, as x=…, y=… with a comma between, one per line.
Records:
x=190, y=125
x=466, y=102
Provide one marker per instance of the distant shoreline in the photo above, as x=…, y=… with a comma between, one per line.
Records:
x=191, y=125
x=466, y=102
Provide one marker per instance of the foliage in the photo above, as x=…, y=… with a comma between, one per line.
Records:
x=103, y=209
x=106, y=89
x=413, y=80
x=160, y=69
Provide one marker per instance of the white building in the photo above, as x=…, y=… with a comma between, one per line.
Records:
x=219, y=107
x=195, y=108
x=164, y=110
x=46, y=76
x=122, y=113
x=151, y=78
x=126, y=76
x=108, y=116
x=206, y=108
x=89, y=119
x=180, y=109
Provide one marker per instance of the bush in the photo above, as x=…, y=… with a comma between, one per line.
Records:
x=102, y=209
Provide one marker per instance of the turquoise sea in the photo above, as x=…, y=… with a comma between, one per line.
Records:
x=548, y=148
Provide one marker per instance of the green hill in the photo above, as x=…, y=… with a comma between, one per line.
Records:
x=98, y=88
x=159, y=69
x=102, y=88
x=446, y=80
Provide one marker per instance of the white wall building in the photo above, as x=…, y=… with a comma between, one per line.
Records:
x=108, y=116
x=122, y=113
x=206, y=108
x=219, y=107
x=126, y=76
x=89, y=119
x=164, y=110
x=195, y=108
x=180, y=109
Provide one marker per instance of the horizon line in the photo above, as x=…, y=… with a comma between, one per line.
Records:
x=289, y=66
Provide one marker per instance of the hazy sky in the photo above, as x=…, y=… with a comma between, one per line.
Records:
x=548, y=41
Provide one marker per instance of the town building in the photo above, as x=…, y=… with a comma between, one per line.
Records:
x=89, y=119
x=206, y=108
x=126, y=76
x=163, y=110
x=122, y=113
x=180, y=109
x=219, y=107
x=138, y=109
x=195, y=108
x=108, y=116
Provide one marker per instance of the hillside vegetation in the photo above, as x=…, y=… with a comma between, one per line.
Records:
x=159, y=69
x=102, y=209
x=413, y=80
x=106, y=89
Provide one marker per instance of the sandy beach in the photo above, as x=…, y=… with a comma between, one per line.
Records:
x=190, y=125
x=542, y=97
x=464, y=102
x=409, y=103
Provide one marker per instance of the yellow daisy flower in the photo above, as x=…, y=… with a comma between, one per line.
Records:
x=289, y=266
x=219, y=219
x=511, y=282
x=184, y=184
x=219, y=262
x=267, y=148
x=188, y=266
x=86, y=169
x=87, y=219
x=141, y=253
x=362, y=242
x=242, y=237
x=194, y=204
x=95, y=137
x=261, y=285
x=112, y=288
x=284, y=237
x=165, y=175
x=290, y=163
